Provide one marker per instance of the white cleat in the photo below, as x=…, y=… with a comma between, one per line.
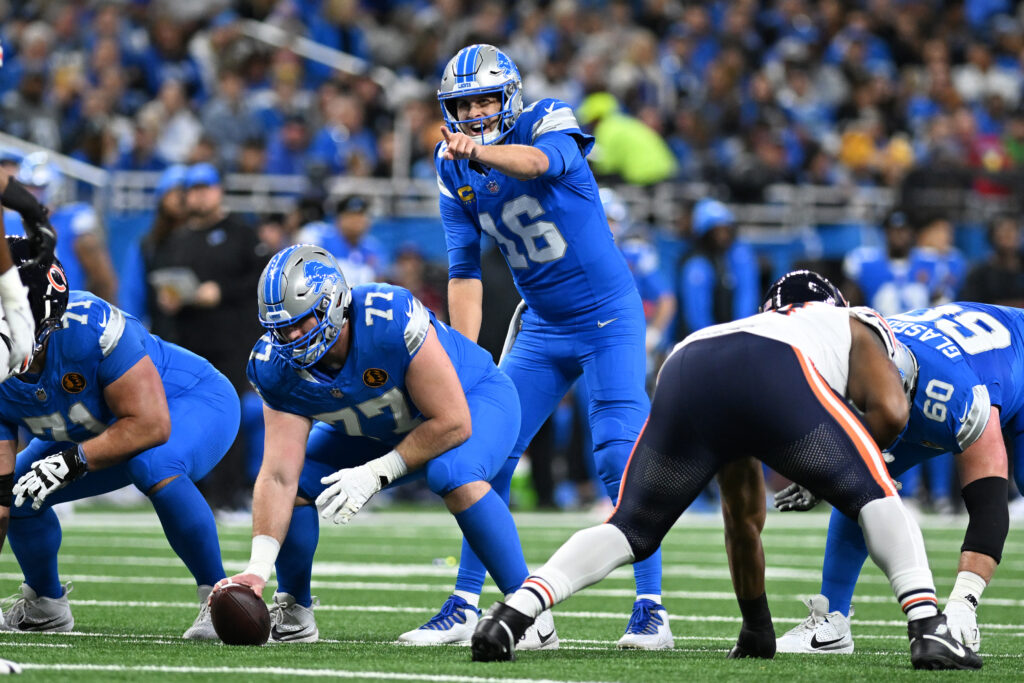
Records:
x=28, y=611
x=290, y=622
x=541, y=634
x=202, y=627
x=648, y=628
x=9, y=667
x=452, y=625
x=822, y=631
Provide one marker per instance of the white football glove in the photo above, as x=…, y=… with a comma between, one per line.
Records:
x=962, y=619
x=795, y=497
x=350, y=488
x=18, y=315
x=49, y=474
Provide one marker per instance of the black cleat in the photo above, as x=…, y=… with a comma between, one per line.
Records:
x=758, y=643
x=497, y=632
x=932, y=647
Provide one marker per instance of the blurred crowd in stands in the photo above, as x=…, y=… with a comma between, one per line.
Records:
x=921, y=97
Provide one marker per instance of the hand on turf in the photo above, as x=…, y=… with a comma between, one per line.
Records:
x=49, y=474
x=962, y=619
x=795, y=497
x=348, y=492
x=251, y=580
x=460, y=145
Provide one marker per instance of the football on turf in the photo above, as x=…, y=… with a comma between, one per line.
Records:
x=240, y=617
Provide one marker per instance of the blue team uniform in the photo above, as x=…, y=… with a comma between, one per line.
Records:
x=70, y=222
x=64, y=405
x=366, y=410
x=584, y=314
x=970, y=357
x=893, y=286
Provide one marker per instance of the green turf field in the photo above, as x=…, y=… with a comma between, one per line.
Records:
x=387, y=572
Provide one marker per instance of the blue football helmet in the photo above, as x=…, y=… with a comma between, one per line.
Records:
x=300, y=281
x=37, y=171
x=476, y=70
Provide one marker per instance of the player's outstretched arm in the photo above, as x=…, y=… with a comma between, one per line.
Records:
x=35, y=218
x=983, y=471
x=274, y=494
x=875, y=386
x=522, y=162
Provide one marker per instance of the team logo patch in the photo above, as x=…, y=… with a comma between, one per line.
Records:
x=375, y=377
x=72, y=382
x=466, y=193
x=318, y=273
x=336, y=392
x=493, y=186
x=41, y=394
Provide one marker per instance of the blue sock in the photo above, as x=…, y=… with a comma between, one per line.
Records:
x=295, y=561
x=35, y=541
x=646, y=573
x=190, y=529
x=488, y=526
x=471, y=570
x=845, y=552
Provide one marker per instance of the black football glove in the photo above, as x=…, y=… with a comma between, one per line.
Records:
x=43, y=239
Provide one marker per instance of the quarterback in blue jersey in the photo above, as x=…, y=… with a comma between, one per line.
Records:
x=519, y=174
x=108, y=405
x=964, y=370
x=361, y=386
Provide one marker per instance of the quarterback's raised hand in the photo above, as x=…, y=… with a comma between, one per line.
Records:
x=19, y=323
x=460, y=145
x=49, y=474
x=795, y=497
x=350, y=488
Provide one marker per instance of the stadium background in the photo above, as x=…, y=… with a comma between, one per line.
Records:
x=811, y=120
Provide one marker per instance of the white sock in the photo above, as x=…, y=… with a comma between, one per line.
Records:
x=471, y=598
x=894, y=541
x=586, y=558
x=649, y=596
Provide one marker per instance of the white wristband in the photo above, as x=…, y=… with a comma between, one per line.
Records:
x=391, y=466
x=263, y=556
x=10, y=285
x=968, y=588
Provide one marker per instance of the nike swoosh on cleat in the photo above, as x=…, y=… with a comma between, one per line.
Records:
x=815, y=643
x=37, y=625
x=958, y=650
x=602, y=323
x=544, y=637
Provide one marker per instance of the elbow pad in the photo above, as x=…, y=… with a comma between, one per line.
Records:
x=989, y=521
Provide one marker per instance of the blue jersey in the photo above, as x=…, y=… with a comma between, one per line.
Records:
x=95, y=346
x=368, y=397
x=69, y=222
x=552, y=230
x=970, y=357
x=642, y=260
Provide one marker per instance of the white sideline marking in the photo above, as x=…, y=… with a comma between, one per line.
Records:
x=559, y=613
x=282, y=671
x=17, y=644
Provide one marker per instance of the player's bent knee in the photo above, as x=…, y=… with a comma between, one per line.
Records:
x=442, y=480
x=642, y=542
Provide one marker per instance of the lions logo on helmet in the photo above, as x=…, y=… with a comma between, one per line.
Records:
x=480, y=70
x=301, y=281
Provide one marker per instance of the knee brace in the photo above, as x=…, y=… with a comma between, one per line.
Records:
x=989, y=521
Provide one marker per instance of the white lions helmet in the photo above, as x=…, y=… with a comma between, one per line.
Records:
x=475, y=70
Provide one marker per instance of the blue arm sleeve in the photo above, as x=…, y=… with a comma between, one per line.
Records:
x=561, y=150
x=462, y=239
x=697, y=287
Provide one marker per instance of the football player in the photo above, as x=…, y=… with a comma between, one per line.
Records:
x=108, y=405
x=518, y=173
x=786, y=376
x=966, y=394
x=362, y=386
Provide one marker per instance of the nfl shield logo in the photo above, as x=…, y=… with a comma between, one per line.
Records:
x=493, y=187
x=336, y=393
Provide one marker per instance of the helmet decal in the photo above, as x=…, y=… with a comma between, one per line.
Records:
x=481, y=70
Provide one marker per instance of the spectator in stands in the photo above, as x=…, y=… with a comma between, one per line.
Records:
x=170, y=216
x=211, y=317
x=228, y=118
x=890, y=279
x=344, y=144
x=288, y=148
x=1000, y=278
x=362, y=257
x=625, y=147
x=167, y=59
x=949, y=267
x=143, y=154
x=411, y=270
x=719, y=279
x=179, y=128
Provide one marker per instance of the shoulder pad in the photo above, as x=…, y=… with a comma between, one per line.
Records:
x=552, y=115
x=876, y=322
